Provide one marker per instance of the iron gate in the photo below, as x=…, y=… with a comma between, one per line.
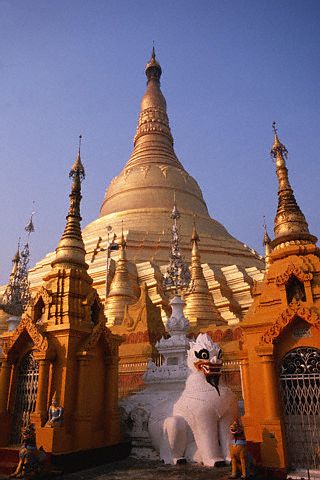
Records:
x=26, y=395
x=300, y=392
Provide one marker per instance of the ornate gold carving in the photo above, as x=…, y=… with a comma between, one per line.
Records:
x=296, y=271
x=295, y=309
x=26, y=324
x=145, y=169
x=164, y=170
x=127, y=172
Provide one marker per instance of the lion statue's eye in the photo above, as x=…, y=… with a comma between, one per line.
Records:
x=203, y=354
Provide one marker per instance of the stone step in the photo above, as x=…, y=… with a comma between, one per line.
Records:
x=303, y=473
x=9, y=458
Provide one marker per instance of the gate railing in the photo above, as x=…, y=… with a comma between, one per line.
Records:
x=301, y=413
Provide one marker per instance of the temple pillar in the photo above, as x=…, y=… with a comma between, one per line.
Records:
x=272, y=447
x=5, y=375
x=112, y=415
x=245, y=383
x=83, y=416
x=271, y=387
x=41, y=411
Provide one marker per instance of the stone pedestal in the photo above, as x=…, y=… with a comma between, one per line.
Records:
x=163, y=381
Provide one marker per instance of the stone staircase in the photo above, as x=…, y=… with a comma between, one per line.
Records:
x=9, y=458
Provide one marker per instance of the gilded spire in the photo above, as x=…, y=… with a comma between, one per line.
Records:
x=70, y=251
x=289, y=222
x=121, y=290
x=200, y=308
x=153, y=118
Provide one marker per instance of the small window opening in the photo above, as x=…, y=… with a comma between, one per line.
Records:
x=94, y=313
x=39, y=310
x=295, y=290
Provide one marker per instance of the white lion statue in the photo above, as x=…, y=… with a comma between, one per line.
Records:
x=195, y=426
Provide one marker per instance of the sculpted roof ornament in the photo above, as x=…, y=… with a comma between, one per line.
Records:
x=153, y=68
x=295, y=309
x=70, y=251
x=177, y=324
x=200, y=305
x=121, y=289
x=289, y=222
x=177, y=276
x=17, y=293
x=266, y=238
x=39, y=340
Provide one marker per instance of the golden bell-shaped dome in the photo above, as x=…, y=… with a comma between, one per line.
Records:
x=153, y=172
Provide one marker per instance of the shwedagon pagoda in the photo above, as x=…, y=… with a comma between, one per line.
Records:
x=99, y=313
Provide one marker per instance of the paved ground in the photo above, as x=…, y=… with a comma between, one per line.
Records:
x=133, y=469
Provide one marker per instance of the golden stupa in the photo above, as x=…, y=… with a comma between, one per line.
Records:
x=140, y=199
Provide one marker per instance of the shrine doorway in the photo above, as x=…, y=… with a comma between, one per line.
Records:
x=300, y=393
x=25, y=395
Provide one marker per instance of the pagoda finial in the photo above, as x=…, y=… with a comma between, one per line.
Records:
x=266, y=238
x=29, y=228
x=194, y=237
x=70, y=251
x=123, y=243
x=289, y=222
x=153, y=68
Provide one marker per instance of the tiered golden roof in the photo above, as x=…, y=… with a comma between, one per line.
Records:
x=70, y=250
x=121, y=290
x=289, y=222
x=200, y=309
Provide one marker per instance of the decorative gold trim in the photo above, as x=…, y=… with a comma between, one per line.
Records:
x=295, y=309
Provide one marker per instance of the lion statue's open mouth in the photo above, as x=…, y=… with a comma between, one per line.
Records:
x=211, y=371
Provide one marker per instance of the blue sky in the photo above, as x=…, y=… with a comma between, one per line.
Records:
x=229, y=69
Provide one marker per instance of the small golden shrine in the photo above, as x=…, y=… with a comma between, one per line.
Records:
x=280, y=353
x=62, y=354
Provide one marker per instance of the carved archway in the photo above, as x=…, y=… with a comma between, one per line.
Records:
x=295, y=309
x=44, y=294
x=296, y=271
x=26, y=325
